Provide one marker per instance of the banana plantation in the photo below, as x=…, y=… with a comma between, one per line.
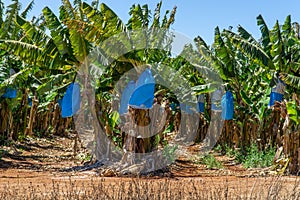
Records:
x=121, y=90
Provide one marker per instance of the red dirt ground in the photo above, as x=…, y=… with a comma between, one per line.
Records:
x=39, y=163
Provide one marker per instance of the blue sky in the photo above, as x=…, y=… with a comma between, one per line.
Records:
x=196, y=17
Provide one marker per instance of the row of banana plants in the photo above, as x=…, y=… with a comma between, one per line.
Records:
x=249, y=67
x=47, y=51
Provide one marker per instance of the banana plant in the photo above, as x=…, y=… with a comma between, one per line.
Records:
x=133, y=38
x=277, y=52
x=10, y=31
x=46, y=62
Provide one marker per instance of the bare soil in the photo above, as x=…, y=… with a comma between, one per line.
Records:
x=44, y=164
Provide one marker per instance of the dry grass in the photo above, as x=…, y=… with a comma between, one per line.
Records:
x=191, y=188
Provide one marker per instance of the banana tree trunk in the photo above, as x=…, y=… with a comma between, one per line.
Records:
x=139, y=139
x=33, y=111
x=10, y=121
x=141, y=127
x=5, y=120
x=291, y=142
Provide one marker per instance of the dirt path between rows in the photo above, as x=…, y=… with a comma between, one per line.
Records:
x=39, y=166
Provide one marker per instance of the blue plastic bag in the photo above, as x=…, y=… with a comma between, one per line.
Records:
x=200, y=104
x=10, y=93
x=216, y=100
x=186, y=108
x=145, y=78
x=70, y=103
x=143, y=95
x=173, y=106
x=274, y=96
x=29, y=101
x=126, y=94
x=227, y=106
x=277, y=92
